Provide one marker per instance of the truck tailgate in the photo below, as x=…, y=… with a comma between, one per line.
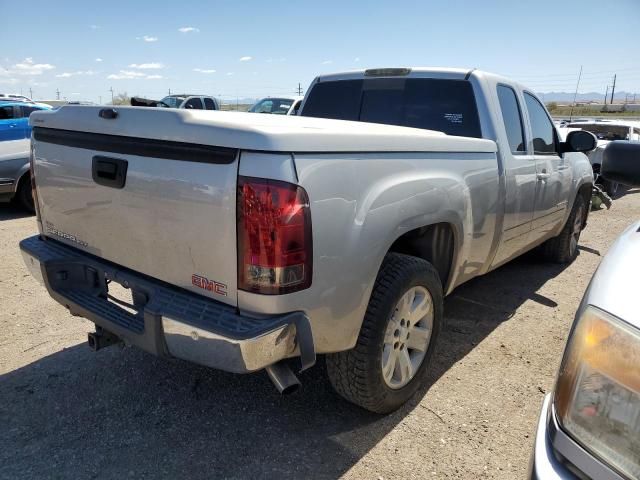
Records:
x=160, y=207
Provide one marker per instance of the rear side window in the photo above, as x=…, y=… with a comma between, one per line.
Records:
x=208, y=104
x=511, y=118
x=6, y=113
x=542, y=129
x=194, y=103
x=448, y=106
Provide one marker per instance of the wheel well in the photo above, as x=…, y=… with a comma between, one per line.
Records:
x=23, y=178
x=586, y=191
x=433, y=243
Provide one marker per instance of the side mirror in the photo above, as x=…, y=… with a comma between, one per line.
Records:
x=580, y=141
x=621, y=163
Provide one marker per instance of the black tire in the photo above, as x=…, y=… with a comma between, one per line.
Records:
x=564, y=247
x=24, y=197
x=356, y=374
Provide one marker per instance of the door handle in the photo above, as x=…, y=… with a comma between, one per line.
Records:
x=543, y=175
x=109, y=172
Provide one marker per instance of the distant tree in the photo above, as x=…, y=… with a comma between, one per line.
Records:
x=121, y=99
x=552, y=106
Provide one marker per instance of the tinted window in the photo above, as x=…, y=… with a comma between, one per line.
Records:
x=339, y=100
x=448, y=106
x=541, y=127
x=194, y=103
x=208, y=104
x=6, y=113
x=511, y=118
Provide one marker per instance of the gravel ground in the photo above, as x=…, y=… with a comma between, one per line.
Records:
x=67, y=412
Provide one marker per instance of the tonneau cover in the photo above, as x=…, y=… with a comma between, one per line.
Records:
x=253, y=131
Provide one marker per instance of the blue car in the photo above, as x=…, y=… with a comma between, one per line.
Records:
x=14, y=119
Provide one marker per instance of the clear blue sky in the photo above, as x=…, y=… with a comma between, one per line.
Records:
x=258, y=48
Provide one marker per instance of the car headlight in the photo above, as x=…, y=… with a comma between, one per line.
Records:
x=597, y=395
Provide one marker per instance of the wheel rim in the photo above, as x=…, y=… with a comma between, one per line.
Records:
x=407, y=337
x=576, y=230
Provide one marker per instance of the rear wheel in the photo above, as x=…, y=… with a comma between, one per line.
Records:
x=24, y=197
x=564, y=247
x=397, y=338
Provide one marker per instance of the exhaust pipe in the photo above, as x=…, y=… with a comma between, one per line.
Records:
x=283, y=378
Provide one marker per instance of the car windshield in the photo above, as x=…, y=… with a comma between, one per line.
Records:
x=604, y=131
x=278, y=106
x=447, y=106
x=173, y=101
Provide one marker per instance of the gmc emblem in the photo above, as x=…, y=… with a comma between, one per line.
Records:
x=209, y=285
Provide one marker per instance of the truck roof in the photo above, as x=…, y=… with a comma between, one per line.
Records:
x=249, y=131
x=416, y=72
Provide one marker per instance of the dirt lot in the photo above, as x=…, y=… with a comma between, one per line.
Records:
x=67, y=412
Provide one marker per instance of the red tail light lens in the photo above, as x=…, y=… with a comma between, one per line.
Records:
x=274, y=236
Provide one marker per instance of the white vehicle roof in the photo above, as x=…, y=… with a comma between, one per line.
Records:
x=427, y=72
x=257, y=132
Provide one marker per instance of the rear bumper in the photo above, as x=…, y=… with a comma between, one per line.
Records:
x=166, y=320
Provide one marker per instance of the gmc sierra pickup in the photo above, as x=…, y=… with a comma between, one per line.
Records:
x=244, y=240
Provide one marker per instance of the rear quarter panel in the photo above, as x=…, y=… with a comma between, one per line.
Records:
x=360, y=204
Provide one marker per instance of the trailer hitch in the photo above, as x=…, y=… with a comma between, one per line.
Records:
x=102, y=338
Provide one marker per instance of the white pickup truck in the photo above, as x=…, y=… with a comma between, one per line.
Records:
x=244, y=240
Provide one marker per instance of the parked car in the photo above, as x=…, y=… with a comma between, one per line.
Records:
x=15, y=182
x=191, y=102
x=245, y=241
x=606, y=131
x=14, y=119
x=589, y=426
x=277, y=105
x=14, y=97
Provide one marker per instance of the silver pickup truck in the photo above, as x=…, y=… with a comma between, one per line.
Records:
x=245, y=240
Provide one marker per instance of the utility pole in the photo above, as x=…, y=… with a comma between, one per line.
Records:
x=606, y=94
x=613, y=89
x=100, y=99
x=575, y=94
x=169, y=91
x=299, y=89
x=111, y=90
x=30, y=93
x=57, y=94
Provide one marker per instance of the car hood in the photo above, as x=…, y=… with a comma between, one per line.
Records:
x=614, y=286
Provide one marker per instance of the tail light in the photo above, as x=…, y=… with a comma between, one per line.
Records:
x=274, y=236
x=34, y=193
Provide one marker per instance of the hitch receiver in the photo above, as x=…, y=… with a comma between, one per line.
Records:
x=102, y=338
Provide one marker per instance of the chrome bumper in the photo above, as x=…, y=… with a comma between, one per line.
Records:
x=167, y=321
x=552, y=443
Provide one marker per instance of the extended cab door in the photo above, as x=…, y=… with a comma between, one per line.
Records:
x=553, y=172
x=519, y=173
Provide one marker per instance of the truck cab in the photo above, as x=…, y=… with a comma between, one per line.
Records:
x=538, y=177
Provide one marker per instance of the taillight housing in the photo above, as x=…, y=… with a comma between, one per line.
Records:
x=275, y=254
x=34, y=193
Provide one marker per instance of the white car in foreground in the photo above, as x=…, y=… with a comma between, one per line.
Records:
x=589, y=426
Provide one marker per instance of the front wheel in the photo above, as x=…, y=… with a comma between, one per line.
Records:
x=397, y=338
x=564, y=247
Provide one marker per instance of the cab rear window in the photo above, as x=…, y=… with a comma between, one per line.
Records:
x=447, y=106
